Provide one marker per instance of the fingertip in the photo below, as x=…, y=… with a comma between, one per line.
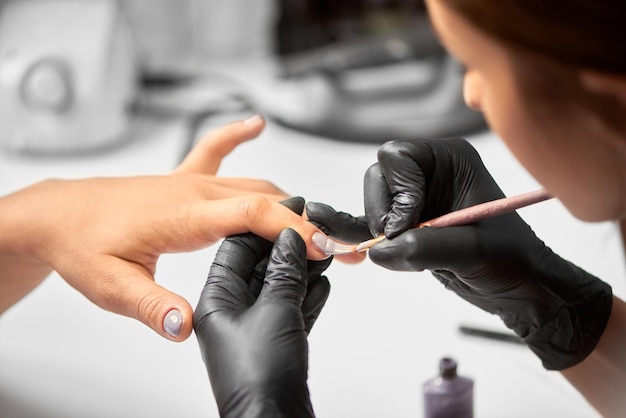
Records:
x=317, y=210
x=173, y=322
x=254, y=121
x=295, y=203
x=176, y=323
x=318, y=292
x=292, y=238
x=313, y=250
x=165, y=312
x=307, y=231
x=248, y=128
x=286, y=274
x=206, y=156
x=128, y=290
x=352, y=258
x=392, y=229
x=253, y=126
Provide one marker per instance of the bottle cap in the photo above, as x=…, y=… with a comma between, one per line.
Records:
x=447, y=367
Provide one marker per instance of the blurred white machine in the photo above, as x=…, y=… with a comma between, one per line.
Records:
x=67, y=75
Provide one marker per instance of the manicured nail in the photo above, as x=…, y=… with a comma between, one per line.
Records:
x=320, y=240
x=173, y=322
x=253, y=119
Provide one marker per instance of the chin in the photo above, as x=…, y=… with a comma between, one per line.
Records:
x=581, y=210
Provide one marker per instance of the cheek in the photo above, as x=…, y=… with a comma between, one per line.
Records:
x=560, y=158
x=508, y=119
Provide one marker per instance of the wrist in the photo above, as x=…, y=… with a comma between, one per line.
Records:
x=16, y=226
x=580, y=307
x=265, y=407
x=273, y=399
x=20, y=269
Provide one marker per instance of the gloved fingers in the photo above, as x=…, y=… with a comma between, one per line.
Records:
x=295, y=203
x=453, y=248
x=314, y=301
x=245, y=256
x=238, y=256
x=286, y=277
x=238, y=270
x=223, y=294
x=451, y=281
x=340, y=225
x=231, y=288
x=206, y=157
x=318, y=289
x=234, y=278
x=377, y=199
x=405, y=167
x=317, y=268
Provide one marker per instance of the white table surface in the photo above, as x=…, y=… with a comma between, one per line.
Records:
x=378, y=339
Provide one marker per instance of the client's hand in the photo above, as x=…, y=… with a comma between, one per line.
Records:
x=104, y=235
x=252, y=321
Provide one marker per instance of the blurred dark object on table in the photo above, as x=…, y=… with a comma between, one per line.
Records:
x=368, y=71
x=338, y=36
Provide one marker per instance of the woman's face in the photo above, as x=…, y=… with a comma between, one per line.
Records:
x=575, y=158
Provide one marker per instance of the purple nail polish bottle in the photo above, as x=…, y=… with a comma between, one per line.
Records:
x=448, y=395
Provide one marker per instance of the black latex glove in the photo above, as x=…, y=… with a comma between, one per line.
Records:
x=259, y=303
x=339, y=225
x=497, y=264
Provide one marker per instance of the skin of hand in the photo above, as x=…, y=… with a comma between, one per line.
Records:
x=497, y=264
x=259, y=303
x=105, y=235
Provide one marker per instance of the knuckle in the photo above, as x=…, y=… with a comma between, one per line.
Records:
x=255, y=207
x=391, y=146
x=388, y=148
x=148, y=306
x=268, y=185
x=373, y=171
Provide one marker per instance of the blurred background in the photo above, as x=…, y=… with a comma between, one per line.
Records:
x=74, y=73
x=112, y=88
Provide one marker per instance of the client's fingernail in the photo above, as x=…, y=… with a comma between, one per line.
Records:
x=173, y=322
x=253, y=119
x=320, y=240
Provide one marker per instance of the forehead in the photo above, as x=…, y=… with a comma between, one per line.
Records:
x=446, y=23
x=460, y=37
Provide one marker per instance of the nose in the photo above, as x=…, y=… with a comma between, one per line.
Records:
x=472, y=90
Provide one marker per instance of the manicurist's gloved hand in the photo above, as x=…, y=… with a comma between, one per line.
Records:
x=497, y=264
x=252, y=320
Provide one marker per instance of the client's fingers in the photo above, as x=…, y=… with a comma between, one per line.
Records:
x=209, y=221
x=128, y=289
x=207, y=155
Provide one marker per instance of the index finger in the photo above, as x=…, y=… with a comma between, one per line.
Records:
x=212, y=220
